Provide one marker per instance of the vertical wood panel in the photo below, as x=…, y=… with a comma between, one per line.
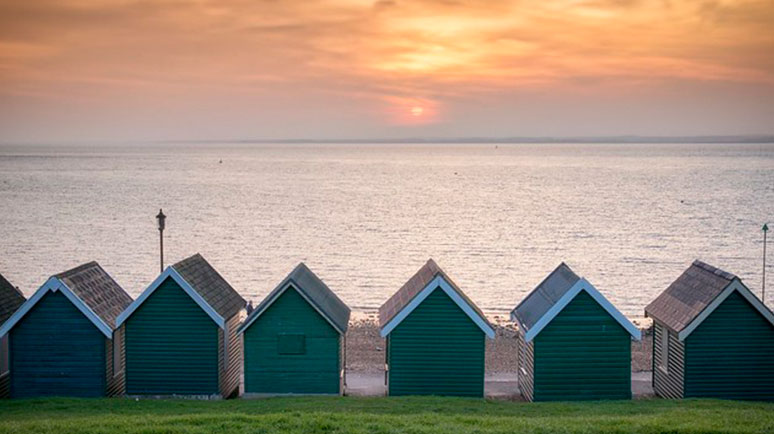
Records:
x=56, y=351
x=316, y=371
x=171, y=346
x=437, y=350
x=667, y=383
x=731, y=354
x=583, y=354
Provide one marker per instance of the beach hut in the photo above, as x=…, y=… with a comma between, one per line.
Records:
x=10, y=300
x=712, y=338
x=181, y=334
x=61, y=340
x=293, y=341
x=573, y=343
x=435, y=337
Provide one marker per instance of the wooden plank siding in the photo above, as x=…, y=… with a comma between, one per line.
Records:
x=171, y=346
x=230, y=359
x=5, y=386
x=5, y=378
x=526, y=374
x=731, y=354
x=56, y=351
x=314, y=370
x=436, y=350
x=116, y=380
x=667, y=383
x=582, y=354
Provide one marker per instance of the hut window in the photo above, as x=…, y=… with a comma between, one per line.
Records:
x=663, y=360
x=291, y=344
x=3, y=354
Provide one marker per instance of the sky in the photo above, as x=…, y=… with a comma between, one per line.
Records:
x=126, y=70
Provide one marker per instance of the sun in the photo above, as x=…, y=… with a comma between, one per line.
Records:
x=417, y=111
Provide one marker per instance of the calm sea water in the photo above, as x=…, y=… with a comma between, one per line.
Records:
x=498, y=218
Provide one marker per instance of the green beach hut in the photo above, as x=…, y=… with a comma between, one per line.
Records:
x=435, y=337
x=712, y=338
x=573, y=343
x=10, y=300
x=181, y=334
x=61, y=340
x=294, y=339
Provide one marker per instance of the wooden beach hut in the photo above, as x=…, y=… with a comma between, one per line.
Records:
x=181, y=334
x=293, y=341
x=573, y=343
x=712, y=338
x=61, y=340
x=435, y=337
x=10, y=300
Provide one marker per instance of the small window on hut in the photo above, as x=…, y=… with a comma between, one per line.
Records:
x=291, y=344
x=663, y=359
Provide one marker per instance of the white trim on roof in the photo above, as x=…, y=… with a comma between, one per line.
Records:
x=170, y=272
x=275, y=297
x=438, y=282
x=735, y=285
x=582, y=285
x=54, y=284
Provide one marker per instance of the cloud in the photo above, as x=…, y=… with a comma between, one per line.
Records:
x=266, y=53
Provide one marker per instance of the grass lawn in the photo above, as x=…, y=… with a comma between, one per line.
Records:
x=380, y=415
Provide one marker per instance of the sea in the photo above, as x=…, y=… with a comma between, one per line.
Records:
x=364, y=217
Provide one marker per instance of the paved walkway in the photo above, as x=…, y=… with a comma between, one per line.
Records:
x=496, y=386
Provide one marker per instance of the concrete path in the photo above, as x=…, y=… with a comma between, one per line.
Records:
x=496, y=386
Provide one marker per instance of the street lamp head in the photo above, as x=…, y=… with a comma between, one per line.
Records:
x=161, y=218
x=765, y=227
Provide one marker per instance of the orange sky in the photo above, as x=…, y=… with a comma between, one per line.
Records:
x=185, y=69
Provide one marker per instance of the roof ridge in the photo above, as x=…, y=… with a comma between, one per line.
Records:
x=76, y=269
x=545, y=279
x=714, y=270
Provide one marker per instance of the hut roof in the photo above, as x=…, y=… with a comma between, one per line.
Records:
x=314, y=291
x=90, y=289
x=417, y=288
x=202, y=283
x=91, y=283
x=555, y=292
x=695, y=294
x=10, y=299
x=205, y=280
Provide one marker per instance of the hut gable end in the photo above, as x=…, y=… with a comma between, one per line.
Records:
x=419, y=287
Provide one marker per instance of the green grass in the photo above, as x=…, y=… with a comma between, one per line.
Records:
x=381, y=415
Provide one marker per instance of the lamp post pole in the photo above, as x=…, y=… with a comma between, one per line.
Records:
x=161, y=219
x=763, y=284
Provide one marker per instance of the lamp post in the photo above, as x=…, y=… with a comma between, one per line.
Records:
x=161, y=219
x=763, y=285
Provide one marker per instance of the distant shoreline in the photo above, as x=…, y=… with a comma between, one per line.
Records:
x=516, y=140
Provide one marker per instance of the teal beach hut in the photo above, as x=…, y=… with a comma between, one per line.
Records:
x=573, y=343
x=294, y=339
x=181, y=334
x=435, y=337
x=712, y=338
x=61, y=340
x=10, y=300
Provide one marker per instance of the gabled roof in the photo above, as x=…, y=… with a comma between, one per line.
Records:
x=10, y=299
x=429, y=277
x=90, y=289
x=696, y=294
x=202, y=283
x=553, y=294
x=314, y=291
x=210, y=285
